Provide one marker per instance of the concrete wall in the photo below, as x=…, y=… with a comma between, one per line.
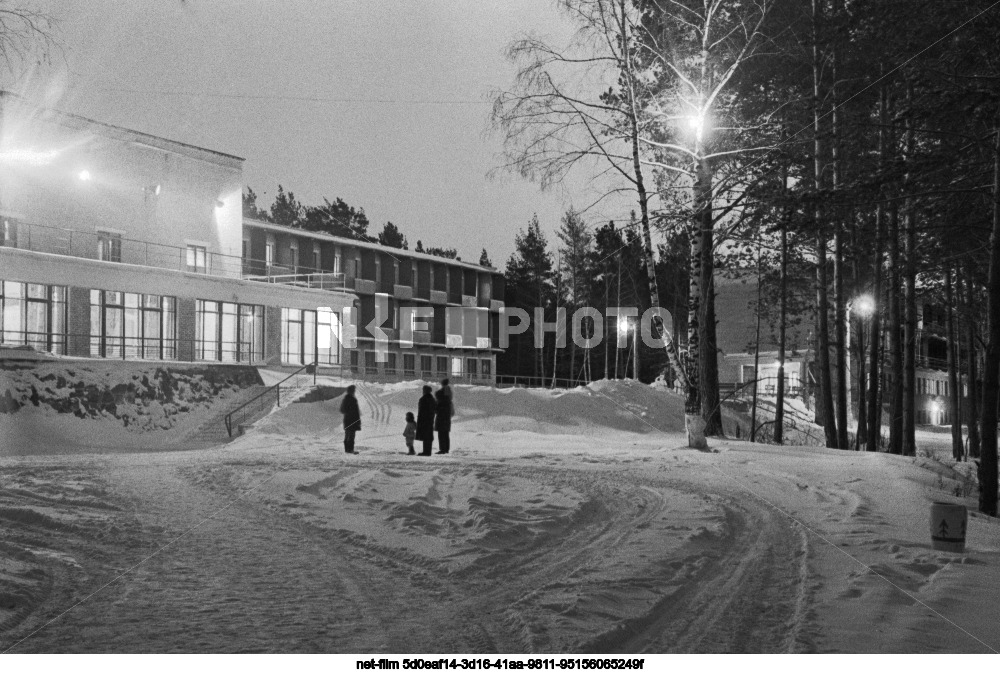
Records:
x=43, y=153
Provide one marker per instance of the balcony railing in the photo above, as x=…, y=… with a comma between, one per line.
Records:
x=117, y=249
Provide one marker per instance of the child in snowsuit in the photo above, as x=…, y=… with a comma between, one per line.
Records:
x=410, y=432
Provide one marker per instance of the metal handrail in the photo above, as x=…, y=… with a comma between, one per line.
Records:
x=275, y=390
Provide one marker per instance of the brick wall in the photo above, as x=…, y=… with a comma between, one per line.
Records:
x=186, y=324
x=272, y=335
x=78, y=322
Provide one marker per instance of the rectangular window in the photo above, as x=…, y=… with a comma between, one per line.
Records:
x=354, y=362
x=316, y=260
x=109, y=247
x=470, y=367
x=371, y=369
x=294, y=250
x=456, y=367
x=390, y=365
x=426, y=366
x=409, y=364
x=197, y=256
x=9, y=237
x=442, y=366
x=298, y=336
x=269, y=253
x=33, y=315
x=132, y=326
x=486, y=368
x=328, y=337
x=228, y=332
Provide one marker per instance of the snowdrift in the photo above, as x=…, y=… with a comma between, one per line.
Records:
x=58, y=407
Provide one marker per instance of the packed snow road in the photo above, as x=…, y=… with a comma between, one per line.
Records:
x=576, y=536
x=610, y=561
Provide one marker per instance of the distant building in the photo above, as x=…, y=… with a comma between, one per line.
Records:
x=737, y=340
x=117, y=244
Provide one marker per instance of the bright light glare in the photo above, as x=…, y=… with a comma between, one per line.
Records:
x=864, y=305
x=28, y=157
x=935, y=405
x=623, y=325
x=84, y=175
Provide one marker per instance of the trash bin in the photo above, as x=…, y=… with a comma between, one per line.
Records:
x=948, y=523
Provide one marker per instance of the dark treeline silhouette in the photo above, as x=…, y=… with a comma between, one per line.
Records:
x=852, y=144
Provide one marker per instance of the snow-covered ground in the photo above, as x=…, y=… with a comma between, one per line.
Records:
x=562, y=521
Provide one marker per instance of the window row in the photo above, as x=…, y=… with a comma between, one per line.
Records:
x=310, y=336
x=33, y=315
x=132, y=325
x=431, y=366
x=228, y=332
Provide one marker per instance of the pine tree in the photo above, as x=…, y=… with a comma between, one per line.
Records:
x=484, y=259
x=337, y=218
x=529, y=277
x=391, y=236
x=575, y=257
x=250, y=208
x=285, y=210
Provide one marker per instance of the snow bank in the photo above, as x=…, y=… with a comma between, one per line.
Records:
x=51, y=407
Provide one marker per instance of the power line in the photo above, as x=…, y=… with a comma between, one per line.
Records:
x=300, y=99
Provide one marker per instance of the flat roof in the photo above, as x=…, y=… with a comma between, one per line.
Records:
x=343, y=240
x=131, y=135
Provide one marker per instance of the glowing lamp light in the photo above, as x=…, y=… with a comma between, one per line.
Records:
x=864, y=305
x=84, y=175
x=697, y=124
x=623, y=325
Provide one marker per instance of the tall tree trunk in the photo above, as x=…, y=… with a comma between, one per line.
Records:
x=841, y=323
x=874, y=394
x=779, y=410
x=825, y=393
x=973, y=375
x=895, y=339
x=991, y=374
x=695, y=427
x=861, y=439
x=956, y=413
x=756, y=357
x=910, y=340
x=711, y=407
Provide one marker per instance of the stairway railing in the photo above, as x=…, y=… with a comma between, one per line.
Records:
x=269, y=397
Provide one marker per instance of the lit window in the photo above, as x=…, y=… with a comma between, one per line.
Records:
x=196, y=258
x=109, y=247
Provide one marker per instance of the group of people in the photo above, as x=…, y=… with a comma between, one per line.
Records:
x=434, y=412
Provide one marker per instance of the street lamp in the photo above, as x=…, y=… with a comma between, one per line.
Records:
x=864, y=306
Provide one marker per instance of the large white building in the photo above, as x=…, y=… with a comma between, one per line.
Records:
x=118, y=244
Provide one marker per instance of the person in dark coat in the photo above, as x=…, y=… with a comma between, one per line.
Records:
x=426, y=409
x=442, y=423
x=352, y=418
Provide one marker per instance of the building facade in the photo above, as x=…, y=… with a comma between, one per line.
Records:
x=121, y=245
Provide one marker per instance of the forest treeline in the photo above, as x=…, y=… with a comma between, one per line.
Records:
x=336, y=218
x=846, y=149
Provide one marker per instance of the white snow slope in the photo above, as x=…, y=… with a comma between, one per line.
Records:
x=573, y=521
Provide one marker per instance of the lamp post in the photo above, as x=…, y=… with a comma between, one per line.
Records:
x=624, y=327
x=864, y=306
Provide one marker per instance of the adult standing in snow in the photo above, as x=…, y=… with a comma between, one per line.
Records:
x=445, y=410
x=426, y=409
x=352, y=418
